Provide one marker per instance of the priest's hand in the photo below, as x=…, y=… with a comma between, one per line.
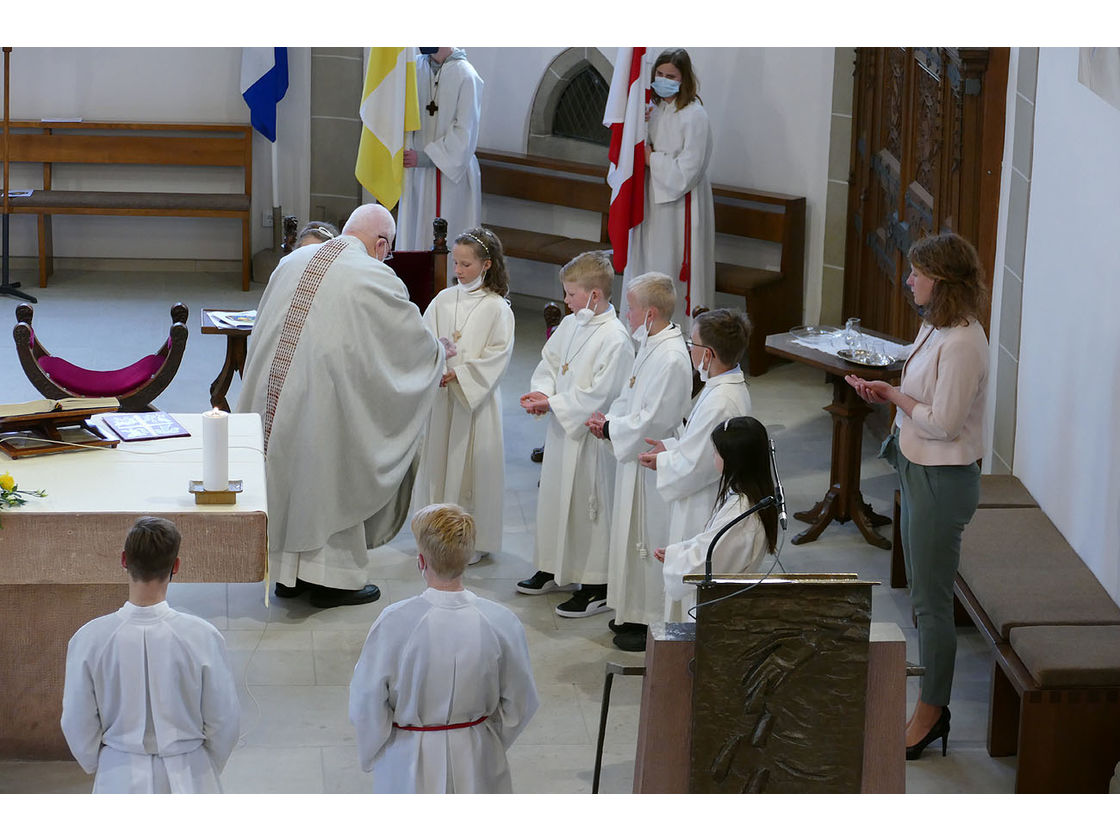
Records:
x=409, y=158
x=649, y=459
x=595, y=424
x=659, y=553
x=448, y=377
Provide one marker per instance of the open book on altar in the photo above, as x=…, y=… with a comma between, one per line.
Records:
x=46, y=406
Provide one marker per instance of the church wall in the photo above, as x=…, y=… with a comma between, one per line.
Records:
x=771, y=114
x=157, y=85
x=1068, y=417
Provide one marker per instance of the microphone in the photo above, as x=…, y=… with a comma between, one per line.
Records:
x=779, y=493
x=764, y=503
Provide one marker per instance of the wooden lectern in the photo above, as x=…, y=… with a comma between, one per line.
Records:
x=781, y=685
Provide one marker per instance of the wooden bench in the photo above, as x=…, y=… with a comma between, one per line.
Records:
x=155, y=144
x=772, y=297
x=1055, y=637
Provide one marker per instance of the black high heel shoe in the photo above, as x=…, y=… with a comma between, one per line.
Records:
x=938, y=730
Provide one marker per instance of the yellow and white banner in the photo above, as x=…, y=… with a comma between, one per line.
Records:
x=389, y=108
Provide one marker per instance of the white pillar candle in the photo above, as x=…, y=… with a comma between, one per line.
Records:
x=215, y=450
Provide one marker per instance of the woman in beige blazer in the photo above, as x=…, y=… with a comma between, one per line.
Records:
x=935, y=445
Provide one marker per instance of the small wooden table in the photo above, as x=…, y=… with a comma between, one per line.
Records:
x=843, y=501
x=237, y=347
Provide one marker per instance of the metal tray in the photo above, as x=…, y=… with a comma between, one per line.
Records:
x=864, y=357
x=813, y=331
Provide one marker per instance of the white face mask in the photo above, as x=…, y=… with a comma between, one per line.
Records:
x=473, y=284
x=702, y=369
x=641, y=334
x=584, y=316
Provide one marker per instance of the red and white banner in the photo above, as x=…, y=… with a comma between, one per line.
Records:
x=625, y=116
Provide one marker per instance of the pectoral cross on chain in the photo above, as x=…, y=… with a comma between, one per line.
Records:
x=564, y=369
x=431, y=108
x=455, y=336
x=632, y=378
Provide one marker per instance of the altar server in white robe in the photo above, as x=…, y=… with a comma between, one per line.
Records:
x=677, y=233
x=342, y=371
x=441, y=176
x=741, y=457
x=463, y=459
x=652, y=404
x=584, y=366
x=686, y=476
x=443, y=684
x=149, y=703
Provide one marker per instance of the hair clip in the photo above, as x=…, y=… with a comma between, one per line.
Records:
x=480, y=242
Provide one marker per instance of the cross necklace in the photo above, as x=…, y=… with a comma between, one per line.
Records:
x=433, y=89
x=571, y=356
x=457, y=333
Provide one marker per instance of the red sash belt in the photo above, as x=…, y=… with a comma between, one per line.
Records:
x=686, y=262
x=439, y=191
x=442, y=728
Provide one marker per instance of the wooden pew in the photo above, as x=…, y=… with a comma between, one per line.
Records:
x=772, y=297
x=154, y=144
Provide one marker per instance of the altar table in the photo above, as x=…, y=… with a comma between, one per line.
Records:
x=60, y=556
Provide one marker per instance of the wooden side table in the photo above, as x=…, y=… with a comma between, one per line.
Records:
x=237, y=347
x=843, y=501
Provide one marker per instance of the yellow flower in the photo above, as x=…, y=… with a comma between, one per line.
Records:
x=7, y=482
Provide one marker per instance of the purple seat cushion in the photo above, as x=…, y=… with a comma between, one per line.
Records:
x=100, y=383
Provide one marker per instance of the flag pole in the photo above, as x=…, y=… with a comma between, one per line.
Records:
x=7, y=288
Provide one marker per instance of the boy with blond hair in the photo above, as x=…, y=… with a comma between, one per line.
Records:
x=583, y=366
x=652, y=404
x=443, y=685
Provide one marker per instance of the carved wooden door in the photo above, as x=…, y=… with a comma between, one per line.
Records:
x=927, y=142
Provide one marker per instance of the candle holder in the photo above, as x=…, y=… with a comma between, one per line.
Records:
x=203, y=496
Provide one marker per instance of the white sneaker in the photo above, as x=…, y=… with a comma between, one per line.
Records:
x=478, y=556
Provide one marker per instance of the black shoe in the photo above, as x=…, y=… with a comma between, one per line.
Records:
x=537, y=455
x=938, y=730
x=542, y=582
x=301, y=586
x=625, y=627
x=589, y=600
x=632, y=640
x=325, y=598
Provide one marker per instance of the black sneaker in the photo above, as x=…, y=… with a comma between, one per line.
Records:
x=590, y=600
x=542, y=582
x=625, y=627
x=633, y=640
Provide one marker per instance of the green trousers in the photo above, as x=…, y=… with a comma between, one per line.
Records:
x=937, y=502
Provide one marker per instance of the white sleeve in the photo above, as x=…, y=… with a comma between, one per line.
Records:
x=689, y=466
x=81, y=722
x=674, y=174
x=518, y=691
x=477, y=377
x=574, y=406
x=221, y=709
x=369, y=696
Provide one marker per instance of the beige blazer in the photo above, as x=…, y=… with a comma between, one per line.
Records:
x=947, y=373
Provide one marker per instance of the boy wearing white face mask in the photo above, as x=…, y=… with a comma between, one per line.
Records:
x=463, y=461
x=684, y=465
x=583, y=367
x=653, y=400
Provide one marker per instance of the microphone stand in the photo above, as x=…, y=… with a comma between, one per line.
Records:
x=765, y=503
x=7, y=288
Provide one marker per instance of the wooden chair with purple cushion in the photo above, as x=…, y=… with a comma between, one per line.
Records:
x=136, y=385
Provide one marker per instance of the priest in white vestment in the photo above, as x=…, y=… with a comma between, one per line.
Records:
x=652, y=404
x=584, y=366
x=342, y=371
x=441, y=177
x=677, y=233
x=149, y=703
x=443, y=685
x=686, y=475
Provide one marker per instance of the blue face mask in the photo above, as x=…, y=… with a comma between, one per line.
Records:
x=665, y=87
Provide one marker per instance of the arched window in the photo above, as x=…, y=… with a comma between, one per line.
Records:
x=566, y=120
x=579, y=112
